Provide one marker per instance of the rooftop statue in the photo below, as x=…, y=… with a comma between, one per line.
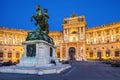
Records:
x=41, y=33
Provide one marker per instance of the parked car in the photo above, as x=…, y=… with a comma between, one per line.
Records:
x=106, y=61
x=6, y=63
x=14, y=63
x=1, y=64
x=65, y=62
x=115, y=63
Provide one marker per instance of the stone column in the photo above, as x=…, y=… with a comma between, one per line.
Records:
x=103, y=54
x=95, y=53
x=84, y=51
x=14, y=39
x=81, y=53
x=67, y=34
x=103, y=36
x=67, y=54
x=61, y=57
x=77, y=52
x=4, y=38
x=112, y=35
x=7, y=39
x=64, y=34
x=79, y=34
x=21, y=39
x=83, y=35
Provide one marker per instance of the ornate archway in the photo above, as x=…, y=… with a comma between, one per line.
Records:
x=72, y=53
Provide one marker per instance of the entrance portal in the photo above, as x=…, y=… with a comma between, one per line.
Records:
x=72, y=53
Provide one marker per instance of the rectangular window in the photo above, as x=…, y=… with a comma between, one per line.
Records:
x=91, y=35
x=117, y=31
x=91, y=54
x=1, y=54
x=65, y=31
x=81, y=29
x=1, y=42
x=99, y=54
x=117, y=53
x=82, y=19
x=17, y=55
x=99, y=34
x=9, y=55
x=107, y=32
x=74, y=39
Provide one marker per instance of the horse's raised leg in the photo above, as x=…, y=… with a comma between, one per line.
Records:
x=35, y=20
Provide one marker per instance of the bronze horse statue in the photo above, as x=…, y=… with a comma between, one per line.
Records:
x=41, y=19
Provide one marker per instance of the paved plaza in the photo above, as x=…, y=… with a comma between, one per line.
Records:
x=91, y=70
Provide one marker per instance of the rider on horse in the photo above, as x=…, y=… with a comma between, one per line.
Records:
x=41, y=19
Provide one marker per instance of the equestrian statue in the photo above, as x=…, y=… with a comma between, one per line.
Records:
x=41, y=19
x=41, y=33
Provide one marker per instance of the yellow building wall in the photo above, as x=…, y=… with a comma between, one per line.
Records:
x=11, y=42
x=99, y=38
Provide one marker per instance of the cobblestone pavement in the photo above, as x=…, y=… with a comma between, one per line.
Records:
x=91, y=70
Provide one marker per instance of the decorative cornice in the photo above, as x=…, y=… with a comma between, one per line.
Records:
x=6, y=28
x=104, y=26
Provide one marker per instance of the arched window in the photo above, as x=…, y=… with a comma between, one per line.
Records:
x=99, y=33
x=107, y=41
x=91, y=54
x=117, y=53
x=91, y=34
x=107, y=32
x=117, y=40
x=117, y=30
x=1, y=54
x=17, y=55
x=108, y=53
x=9, y=54
x=99, y=54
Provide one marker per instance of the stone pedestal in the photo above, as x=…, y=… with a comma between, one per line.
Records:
x=43, y=54
x=39, y=58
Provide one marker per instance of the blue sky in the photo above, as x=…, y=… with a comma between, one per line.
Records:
x=17, y=13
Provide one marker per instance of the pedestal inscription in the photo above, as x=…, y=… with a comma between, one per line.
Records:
x=31, y=50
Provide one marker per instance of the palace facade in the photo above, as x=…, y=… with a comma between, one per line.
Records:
x=11, y=44
x=75, y=41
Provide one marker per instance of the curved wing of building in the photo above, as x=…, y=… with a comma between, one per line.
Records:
x=75, y=41
x=11, y=44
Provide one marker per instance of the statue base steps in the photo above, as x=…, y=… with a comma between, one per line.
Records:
x=35, y=70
